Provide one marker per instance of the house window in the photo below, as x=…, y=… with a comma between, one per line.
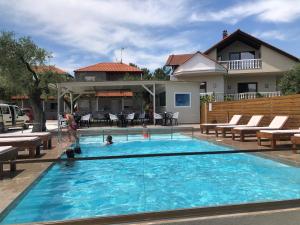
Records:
x=182, y=99
x=162, y=99
x=241, y=55
x=247, y=87
x=90, y=78
x=247, y=55
x=234, y=56
x=203, y=87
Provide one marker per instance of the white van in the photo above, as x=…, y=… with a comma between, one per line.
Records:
x=12, y=116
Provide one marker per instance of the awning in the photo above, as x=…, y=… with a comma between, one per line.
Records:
x=114, y=93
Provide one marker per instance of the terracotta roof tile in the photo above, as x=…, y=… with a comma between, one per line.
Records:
x=43, y=69
x=177, y=60
x=109, y=67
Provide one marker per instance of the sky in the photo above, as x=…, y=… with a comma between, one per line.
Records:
x=82, y=33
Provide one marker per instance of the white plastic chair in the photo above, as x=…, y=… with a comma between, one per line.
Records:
x=113, y=118
x=175, y=118
x=86, y=119
x=156, y=116
x=130, y=118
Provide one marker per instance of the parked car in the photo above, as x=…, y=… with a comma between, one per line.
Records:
x=12, y=116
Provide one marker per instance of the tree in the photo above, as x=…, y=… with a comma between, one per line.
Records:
x=147, y=75
x=290, y=82
x=161, y=74
x=19, y=60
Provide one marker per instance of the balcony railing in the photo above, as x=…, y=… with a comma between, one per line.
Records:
x=245, y=64
x=220, y=97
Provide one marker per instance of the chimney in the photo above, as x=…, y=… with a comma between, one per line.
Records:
x=225, y=34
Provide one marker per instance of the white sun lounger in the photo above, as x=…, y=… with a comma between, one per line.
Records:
x=276, y=124
x=276, y=135
x=209, y=126
x=22, y=143
x=45, y=136
x=253, y=122
x=8, y=153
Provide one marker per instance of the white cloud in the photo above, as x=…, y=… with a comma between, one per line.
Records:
x=270, y=34
x=100, y=27
x=264, y=10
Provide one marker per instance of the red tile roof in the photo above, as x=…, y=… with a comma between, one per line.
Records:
x=43, y=69
x=121, y=93
x=109, y=67
x=177, y=60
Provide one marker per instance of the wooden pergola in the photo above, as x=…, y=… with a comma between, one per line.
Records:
x=82, y=88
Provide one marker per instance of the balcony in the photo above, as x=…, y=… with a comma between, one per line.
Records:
x=245, y=64
x=221, y=97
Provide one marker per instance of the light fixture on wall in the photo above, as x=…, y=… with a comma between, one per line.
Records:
x=266, y=85
x=214, y=85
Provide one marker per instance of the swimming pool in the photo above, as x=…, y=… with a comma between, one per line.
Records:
x=125, y=186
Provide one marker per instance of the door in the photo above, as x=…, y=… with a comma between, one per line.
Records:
x=13, y=115
x=7, y=118
x=20, y=117
x=115, y=106
x=247, y=87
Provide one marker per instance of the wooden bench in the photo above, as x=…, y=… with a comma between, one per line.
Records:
x=22, y=143
x=275, y=135
x=295, y=141
x=46, y=137
x=10, y=154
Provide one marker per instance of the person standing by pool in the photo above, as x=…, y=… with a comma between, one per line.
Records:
x=145, y=131
x=72, y=128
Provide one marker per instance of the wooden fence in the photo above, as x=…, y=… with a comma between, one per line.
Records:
x=269, y=107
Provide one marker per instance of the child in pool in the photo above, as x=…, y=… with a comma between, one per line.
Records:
x=109, y=140
x=145, y=131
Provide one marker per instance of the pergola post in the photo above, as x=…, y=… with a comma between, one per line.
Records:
x=71, y=100
x=154, y=109
x=58, y=113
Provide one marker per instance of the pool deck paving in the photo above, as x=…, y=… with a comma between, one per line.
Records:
x=14, y=183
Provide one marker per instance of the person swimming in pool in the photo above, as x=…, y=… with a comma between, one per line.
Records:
x=109, y=140
x=145, y=131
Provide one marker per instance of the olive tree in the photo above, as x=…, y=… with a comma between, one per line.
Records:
x=290, y=82
x=19, y=59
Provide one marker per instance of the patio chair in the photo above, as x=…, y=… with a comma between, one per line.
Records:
x=113, y=118
x=174, y=118
x=276, y=124
x=130, y=118
x=253, y=122
x=235, y=119
x=295, y=141
x=86, y=120
x=46, y=137
x=276, y=135
x=158, y=117
x=10, y=154
x=23, y=143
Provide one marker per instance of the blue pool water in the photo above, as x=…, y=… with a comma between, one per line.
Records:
x=124, y=186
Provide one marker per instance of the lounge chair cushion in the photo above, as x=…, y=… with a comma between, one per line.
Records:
x=278, y=122
x=297, y=135
x=235, y=119
x=36, y=134
x=4, y=149
x=281, y=131
x=18, y=139
x=253, y=122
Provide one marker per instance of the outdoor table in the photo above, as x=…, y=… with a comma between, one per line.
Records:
x=165, y=118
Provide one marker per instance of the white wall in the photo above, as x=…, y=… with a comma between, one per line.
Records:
x=262, y=82
x=186, y=114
